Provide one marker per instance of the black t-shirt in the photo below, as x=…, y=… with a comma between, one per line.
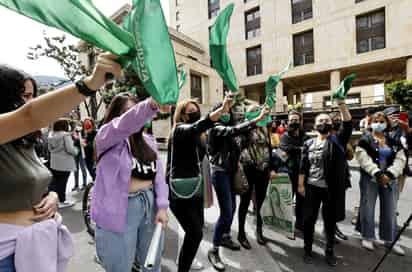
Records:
x=143, y=171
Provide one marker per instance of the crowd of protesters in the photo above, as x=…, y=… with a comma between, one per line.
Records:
x=133, y=190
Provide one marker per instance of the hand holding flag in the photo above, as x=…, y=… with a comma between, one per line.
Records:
x=341, y=92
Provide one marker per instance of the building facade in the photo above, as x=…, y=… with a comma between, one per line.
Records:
x=325, y=39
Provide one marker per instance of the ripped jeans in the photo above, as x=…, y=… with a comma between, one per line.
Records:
x=118, y=251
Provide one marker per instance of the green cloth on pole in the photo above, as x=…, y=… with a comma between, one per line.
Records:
x=145, y=43
x=344, y=87
x=155, y=61
x=182, y=77
x=79, y=18
x=218, y=49
x=253, y=114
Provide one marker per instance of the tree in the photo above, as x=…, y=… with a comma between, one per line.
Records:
x=67, y=56
x=401, y=93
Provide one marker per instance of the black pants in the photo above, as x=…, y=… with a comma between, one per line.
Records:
x=189, y=214
x=90, y=164
x=314, y=197
x=59, y=183
x=259, y=181
x=300, y=200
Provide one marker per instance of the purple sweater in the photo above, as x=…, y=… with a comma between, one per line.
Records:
x=113, y=175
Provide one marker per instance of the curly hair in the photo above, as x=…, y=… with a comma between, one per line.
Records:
x=12, y=90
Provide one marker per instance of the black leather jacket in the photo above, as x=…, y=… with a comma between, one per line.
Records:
x=186, y=140
x=223, y=149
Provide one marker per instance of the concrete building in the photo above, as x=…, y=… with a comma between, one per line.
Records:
x=325, y=39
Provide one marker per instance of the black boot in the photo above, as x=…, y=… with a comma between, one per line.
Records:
x=330, y=258
x=244, y=242
x=215, y=260
x=227, y=242
x=259, y=237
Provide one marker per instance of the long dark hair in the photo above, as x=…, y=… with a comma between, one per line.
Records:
x=12, y=90
x=140, y=149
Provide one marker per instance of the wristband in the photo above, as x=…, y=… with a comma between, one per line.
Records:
x=83, y=89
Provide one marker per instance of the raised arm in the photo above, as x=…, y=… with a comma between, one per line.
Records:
x=42, y=111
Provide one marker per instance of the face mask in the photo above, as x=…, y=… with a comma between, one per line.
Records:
x=87, y=125
x=193, y=117
x=336, y=125
x=378, y=127
x=323, y=128
x=225, y=118
x=294, y=126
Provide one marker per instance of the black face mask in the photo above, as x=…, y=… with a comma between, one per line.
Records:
x=336, y=125
x=294, y=126
x=324, y=128
x=193, y=117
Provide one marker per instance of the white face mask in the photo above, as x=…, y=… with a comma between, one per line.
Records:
x=378, y=127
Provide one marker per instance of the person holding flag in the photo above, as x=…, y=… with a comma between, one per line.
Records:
x=322, y=175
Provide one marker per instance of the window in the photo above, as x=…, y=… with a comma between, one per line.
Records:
x=370, y=31
x=196, y=87
x=254, y=60
x=177, y=2
x=358, y=1
x=301, y=10
x=252, y=23
x=178, y=28
x=177, y=16
x=303, y=48
x=247, y=1
x=213, y=6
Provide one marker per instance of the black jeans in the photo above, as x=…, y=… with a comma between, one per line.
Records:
x=189, y=214
x=59, y=183
x=314, y=197
x=91, y=167
x=259, y=181
x=300, y=200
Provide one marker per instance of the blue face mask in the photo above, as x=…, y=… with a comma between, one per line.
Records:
x=378, y=127
x=225, y=118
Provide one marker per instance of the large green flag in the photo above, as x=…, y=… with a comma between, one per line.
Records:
x=341, y=92
x=145, y=43
x=218, y=49
x=155, y=62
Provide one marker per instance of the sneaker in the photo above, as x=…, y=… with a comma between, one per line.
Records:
x=398, y=250
x=227, y=242
x=368, y=245
x=214, y=259
x=331, y=259
x=66, y=204
x=196, y=264
x=308, y=258
x=339, y=234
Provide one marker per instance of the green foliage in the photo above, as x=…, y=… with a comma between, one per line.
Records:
x=401, y=93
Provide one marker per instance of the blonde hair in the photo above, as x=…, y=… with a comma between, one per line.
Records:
x=180, y=110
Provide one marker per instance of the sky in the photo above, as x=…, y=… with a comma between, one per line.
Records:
x=19, y=33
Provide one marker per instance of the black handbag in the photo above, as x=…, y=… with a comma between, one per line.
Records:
x=185, y=188
x=240, y=183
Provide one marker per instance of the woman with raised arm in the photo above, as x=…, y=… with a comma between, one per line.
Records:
x=29, y=224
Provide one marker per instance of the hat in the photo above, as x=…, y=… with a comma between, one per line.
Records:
x=391, y=110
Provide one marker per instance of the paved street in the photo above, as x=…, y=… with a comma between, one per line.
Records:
x=281, y=254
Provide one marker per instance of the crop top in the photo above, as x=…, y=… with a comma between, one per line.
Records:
x=143, y=171
x=23, y=178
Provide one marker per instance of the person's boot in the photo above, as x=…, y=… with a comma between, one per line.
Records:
x=330, y=257
x=228, y=243
x=244, y=242
x=215, y=260
x=339, y=234
x=259, y=236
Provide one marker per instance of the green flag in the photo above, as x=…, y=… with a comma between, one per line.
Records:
x=79, y=18
x=145, y=43
x=344, y=87
x=155, y=62
x=253, y=114
x=218, y=50
x=271, y=84
x=182, y=76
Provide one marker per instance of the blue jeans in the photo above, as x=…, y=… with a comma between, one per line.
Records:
x=370, y=190
x=7, y=264
x=118, y=251
x=227, y=205
x=81, y=166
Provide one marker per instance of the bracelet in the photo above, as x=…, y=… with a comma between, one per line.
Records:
x=83, y=89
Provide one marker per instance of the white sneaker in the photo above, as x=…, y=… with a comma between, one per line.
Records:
x=66, y=204
x=196, y=265
x=398, y=250
x=368, y=245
